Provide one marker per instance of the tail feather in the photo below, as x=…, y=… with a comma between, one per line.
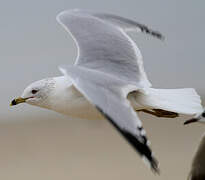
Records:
x=183, y=101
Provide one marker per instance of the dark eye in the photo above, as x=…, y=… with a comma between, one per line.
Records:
x=34, y=91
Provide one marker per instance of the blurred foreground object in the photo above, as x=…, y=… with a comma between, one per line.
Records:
x=197, y=171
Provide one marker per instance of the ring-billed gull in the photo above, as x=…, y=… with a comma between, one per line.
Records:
x=108, y=77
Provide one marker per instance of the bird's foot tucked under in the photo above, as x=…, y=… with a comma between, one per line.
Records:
x=159, y=113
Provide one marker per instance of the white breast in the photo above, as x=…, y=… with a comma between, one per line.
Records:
x=66, y=99
x=78, y=106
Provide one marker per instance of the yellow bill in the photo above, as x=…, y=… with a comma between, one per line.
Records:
x=18, y=101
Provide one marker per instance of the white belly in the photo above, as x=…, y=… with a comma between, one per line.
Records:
x=74, y=104
x=82, y=109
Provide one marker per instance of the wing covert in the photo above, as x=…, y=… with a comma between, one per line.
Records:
x=104, y=46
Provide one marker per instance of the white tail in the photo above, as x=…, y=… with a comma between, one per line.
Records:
x=183, y=101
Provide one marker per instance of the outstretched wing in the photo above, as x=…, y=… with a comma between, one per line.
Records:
x=109, y=94
x=128, y=25
x=103, y=44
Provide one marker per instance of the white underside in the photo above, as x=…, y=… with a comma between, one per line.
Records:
x=182, y=101
x=75, y=105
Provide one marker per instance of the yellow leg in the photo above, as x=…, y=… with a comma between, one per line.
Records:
x=159, y=113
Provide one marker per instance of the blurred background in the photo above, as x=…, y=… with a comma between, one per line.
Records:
x=40, y=144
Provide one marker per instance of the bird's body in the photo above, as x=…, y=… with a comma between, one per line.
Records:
x=108, y=80
x=67, y=100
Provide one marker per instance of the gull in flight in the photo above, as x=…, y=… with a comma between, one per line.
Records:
x=108, y=80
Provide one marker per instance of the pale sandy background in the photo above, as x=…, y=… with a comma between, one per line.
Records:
x=43, y=145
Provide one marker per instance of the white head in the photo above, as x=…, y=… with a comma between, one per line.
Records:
x=37, y=93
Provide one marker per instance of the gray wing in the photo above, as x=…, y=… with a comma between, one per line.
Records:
x=108, y=95
x=128, y=24
x=103, y=44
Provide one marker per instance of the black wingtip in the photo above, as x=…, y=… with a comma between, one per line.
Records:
x=143, y=149
x=153, y=33
x=158, y=35
x=155, y=166
x=140, y=145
